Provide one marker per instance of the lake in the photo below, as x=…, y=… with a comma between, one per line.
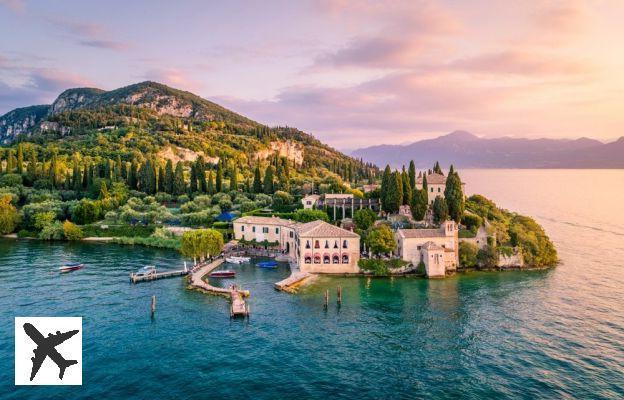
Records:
x=537, y=334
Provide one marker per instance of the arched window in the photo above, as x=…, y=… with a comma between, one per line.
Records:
x=308, y=260
x=316, y=244
x=335, y=244
x=307, y=244
x=317, y=259
x=327, y=244
x=336, y=259
x=345, y=244
x=326, y=259
x=345, y=259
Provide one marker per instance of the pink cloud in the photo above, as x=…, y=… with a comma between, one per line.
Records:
x=175, y=77
x=88, y=34
x=14, y=5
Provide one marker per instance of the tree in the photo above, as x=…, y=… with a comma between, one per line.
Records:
x=257, y=181
x=380, y=240
x=407, y=189
x=310, y=215
x=133, y=181
x=169, y=177
x=179, y=187
x=9, y=217
x=419, y=204
x=201, y=243
x=42, y=219
x=210, y=185
x=385, y=182
x=76, y=176
x=268, y=184
x=440, y=210
x=468, y=254
x=219, y=181
x=454, y=196
x=200, y=170
x=364, y=218
x=193, y=179
x=437, y=169
x=412, y=174
x=72, y=231
x=31, y=169
x=425, y=186
x=20, y=159
x=394, y=194
x=488, y=256
x=161, y=179
x=234, y=178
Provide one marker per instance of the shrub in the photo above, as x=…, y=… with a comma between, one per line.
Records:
x=310, y=215
x=11, y=180
x=9, y=217
x=53, y=231
x=468, y=254
x=72, y=231
x=472, y=222
x=488, y=257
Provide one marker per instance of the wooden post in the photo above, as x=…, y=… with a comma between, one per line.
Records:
x=153, y=308
x=326, y=298
x=339, y=295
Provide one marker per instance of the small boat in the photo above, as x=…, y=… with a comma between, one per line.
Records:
x=267, y=264
x=71, y=267
x=146, y=270
x=226, y=273
x=238, y=260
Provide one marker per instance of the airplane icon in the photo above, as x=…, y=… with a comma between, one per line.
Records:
x=46, y=348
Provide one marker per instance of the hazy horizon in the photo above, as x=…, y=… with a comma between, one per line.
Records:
x=347, y=73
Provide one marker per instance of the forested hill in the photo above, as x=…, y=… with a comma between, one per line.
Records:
x=150, y=120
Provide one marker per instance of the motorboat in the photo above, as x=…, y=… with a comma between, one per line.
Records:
x=68, y=267
x=237, y=260
x=267, y=264
x=226, y=273
x=146, y=271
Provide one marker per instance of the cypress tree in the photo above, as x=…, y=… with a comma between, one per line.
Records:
x=200, y=170
x=234, y=179
x=118, y=168
x=20, y=160
x=385, y=182
x=179, y=187
x=419, y=204
x=451, y=170
x=394, y=194
x=10, y=162
x=412, y=174
x=32, y=165
x=267, y=185
x=85, y=175
x=425, y=186
x=437, y=169
x=53, y=171
x=454, y=197
x=133, y=180
x=210, y=184
x=169, y=177
x=407, y=189
x=257, y=182
x=76, y=176
x=219, y=181
x=193, y=179
x=161, y=179
x=440, y=210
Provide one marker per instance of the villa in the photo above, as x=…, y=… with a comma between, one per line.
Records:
x=436, y=183
x=345, y=202
x=438, y=249
x=316, y=247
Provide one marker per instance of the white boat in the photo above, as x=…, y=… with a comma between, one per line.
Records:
x=238, y=260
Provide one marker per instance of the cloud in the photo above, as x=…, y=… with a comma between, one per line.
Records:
x=88, y=34
x=14, y=5
x=408, y=29
x=177, y=78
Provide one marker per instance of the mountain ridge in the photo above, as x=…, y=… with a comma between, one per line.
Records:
x=466, y=150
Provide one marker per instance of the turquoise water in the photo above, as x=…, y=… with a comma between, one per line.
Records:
x=540, y=334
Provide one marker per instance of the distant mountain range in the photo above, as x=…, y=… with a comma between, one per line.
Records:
x=465, y=150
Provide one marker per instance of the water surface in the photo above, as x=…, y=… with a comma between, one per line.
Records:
x=540, y=334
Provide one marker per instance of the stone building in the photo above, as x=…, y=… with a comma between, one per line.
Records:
x=437, y=248
x=436, y=184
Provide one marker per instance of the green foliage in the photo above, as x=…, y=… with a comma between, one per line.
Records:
x=11, y=180
x=201, y=243
x=96, y=230
x=380, y=240
x=440, y=210
x=487, y=257
x=87, y=211
x=468, y=254
x=43, y=219
x=72, y=231
x=52, y=231
x=420, y=204
x=380, y=267
x=9, y=217
x=529, y=236
x=310, y=215
x=364, y=218
x=472, y=222
x=454, y=197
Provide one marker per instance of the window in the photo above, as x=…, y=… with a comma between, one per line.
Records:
x=327, y=244
x=335, y=244
x=307, y=244
x=326, y=259
x=309, y=202
x=418, y=247
x=335, y=259
x=290, y=234
x=317, y=259
x=345, y=244
x=438, y=190
x=265, y=229
x=277, y=230
x=345, y=259
x=253, y=228
x=431, y=190
x=316, y=244
x=242, y=228
x=308, y=260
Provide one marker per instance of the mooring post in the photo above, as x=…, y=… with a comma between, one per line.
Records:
x=326, y=298
x=339, y=295
x=153, y=308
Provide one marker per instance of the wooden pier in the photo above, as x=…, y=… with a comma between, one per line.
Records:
x=134, y=278
x=237, y=296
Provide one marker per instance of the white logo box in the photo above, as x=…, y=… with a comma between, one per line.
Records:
x=70, y=349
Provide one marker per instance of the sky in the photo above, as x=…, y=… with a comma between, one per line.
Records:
x=352, y=73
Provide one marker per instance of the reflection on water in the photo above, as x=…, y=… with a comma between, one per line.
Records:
x=553, y=334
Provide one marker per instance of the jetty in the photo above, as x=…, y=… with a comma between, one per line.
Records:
x=235, y=294
x=134, y=278
x=295, y=279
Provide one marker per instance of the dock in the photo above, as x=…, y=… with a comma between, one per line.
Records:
x=237, y=296
x=134, y=278
x=296, y=278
